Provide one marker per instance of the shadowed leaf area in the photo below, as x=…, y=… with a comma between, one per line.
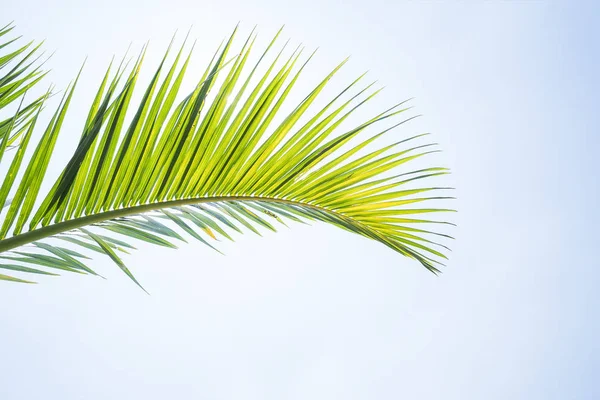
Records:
x=207, y=164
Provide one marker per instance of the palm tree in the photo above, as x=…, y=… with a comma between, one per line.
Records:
x=202, y=165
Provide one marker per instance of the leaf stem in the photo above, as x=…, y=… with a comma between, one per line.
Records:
x=64, y=226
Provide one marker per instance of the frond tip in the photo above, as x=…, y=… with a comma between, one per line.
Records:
x=215, y=162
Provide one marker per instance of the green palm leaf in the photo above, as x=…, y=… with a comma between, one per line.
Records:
x=214, y=163
x=18, y=74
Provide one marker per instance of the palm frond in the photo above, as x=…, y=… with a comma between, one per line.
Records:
x=216, y=162
x=18, y=74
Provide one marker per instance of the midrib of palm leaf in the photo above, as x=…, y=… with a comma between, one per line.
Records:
x=193, y=154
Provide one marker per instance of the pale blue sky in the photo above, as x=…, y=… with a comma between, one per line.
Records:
x=510, y=91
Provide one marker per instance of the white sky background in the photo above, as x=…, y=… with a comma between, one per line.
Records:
x=509, y=90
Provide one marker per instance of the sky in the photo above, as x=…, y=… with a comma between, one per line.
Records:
x=509, y=90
